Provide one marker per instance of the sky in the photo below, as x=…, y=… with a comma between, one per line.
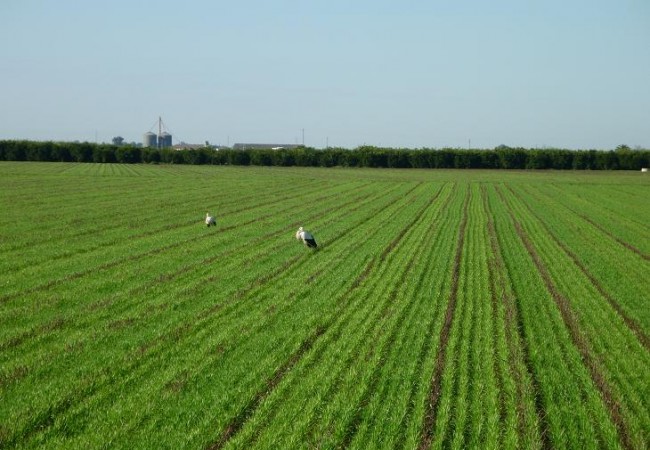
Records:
x=406, y=73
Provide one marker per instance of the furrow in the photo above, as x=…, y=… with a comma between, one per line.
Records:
x=429, y=419
x=135, y=257
x=517, y=344
x=579, y=340
x=239, y=421
x=353, y=425
x=630, y=322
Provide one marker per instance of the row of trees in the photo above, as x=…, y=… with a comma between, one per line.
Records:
x=501, y=157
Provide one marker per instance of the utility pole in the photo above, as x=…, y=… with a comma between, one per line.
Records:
x=303, y=137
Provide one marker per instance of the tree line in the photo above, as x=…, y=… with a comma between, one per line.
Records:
x=501, y=157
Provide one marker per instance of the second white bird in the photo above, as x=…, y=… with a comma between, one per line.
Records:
x=306, y=238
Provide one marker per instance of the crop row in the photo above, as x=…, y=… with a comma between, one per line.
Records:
x=328, y=394
x=605, y=264
x=584, y=314
x=616, y=359
x=123, y=325
x=441, y=309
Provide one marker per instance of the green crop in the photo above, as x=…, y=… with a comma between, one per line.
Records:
x=442, y=308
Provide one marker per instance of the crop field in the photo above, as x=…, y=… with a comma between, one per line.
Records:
x=442, y=308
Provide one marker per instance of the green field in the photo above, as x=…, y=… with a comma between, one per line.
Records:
x=443, y=309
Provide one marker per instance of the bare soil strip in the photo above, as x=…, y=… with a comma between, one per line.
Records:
x=39, y=331
x=242, y=417
x=109, y=265
x=424, y=351
x=629, y=321
x=516, y=341
x=52, y=325
x=429, y=419
x=579, y=340
x=46, y=419
x=105, y=229
x=359, y=280
x=616, y=238
x=12, y=375
x=170, y=337
x=353, y=426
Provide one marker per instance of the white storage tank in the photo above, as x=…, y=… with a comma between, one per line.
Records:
x=165, y=140
x=150, y=140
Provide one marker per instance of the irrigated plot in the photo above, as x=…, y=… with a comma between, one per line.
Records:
x=441, y=309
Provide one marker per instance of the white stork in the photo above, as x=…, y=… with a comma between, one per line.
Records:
x=306, y=238
x=210, y=220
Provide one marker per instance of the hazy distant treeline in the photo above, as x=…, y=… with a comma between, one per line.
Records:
x=502, y=157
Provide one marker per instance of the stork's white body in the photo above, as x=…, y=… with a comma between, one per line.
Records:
x=306, y=237
x=209, y=220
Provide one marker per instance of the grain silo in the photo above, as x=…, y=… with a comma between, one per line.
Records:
x=150, y=140
x=165, y=140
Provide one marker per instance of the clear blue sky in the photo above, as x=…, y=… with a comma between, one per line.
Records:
x=404, y=73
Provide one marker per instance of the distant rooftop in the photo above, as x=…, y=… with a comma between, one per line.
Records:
x=239, y=146
x=184, y=146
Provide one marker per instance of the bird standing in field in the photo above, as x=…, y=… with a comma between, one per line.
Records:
x=306, y=238
x=210, y=220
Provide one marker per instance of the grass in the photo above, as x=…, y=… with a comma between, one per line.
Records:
x=443, y=309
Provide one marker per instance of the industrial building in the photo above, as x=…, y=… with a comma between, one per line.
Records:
x=240, y=146
x=149, y=140
x=161, y=140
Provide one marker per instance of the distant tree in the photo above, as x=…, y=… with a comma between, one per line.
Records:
x=38, y=151
x=582, y=160
x=489, y=159
x=419, y=159
x=399, y=159
x=376, y=157
x=118, y=140
x=239, y=158
x=305, y=157
x=511, y=158
x=622, y=158
x=61, y=152
x=284, y=158
x=330, y=157
x=538, y=159
x=467, y=159
x=81, y=152
x=261, y=157
x=128, y=154
x=604, y=160
x=150, y=155
x=103, y=154
x=15, y=151
x=351, y=159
